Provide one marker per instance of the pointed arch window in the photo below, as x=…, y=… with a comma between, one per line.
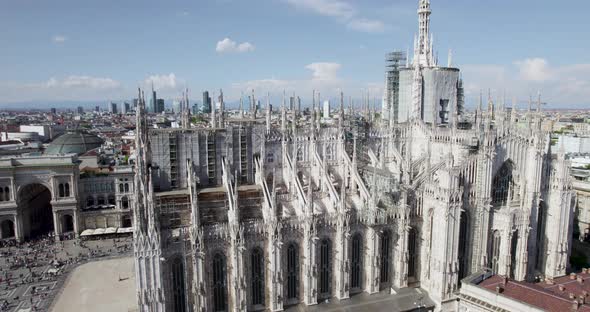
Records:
x=292, y=271
x=495, y=251
x=219, y=283
x=257, y=276
x=513, y=253
x=412, y=252
x=299, y=154
x=356, y=262
x=385, y=256
x=463, y=231
x=503, y=182
x=329, y=152
x=324, y=267
x=178, y=286
x=540, y=235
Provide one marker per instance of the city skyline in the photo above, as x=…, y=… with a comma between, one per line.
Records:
x=269, y=46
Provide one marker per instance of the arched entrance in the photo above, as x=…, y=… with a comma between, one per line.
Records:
x=67, y=224
x=7, y=229
x=34, y=200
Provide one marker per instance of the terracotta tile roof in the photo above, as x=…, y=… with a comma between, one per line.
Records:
x=549, y=297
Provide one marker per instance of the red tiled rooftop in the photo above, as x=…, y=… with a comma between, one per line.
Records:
x=542, y=295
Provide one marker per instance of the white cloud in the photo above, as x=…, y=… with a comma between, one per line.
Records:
x=332, y=8
x=70, y=88
x=342, y=11
x=59, y=39
x=324, y=79
x=227, y=45
x=534, y=69
x=163, y=82
x=82, y=82
x=559, y=85
x=324, y=71
x=366, y=25
x=269, y=85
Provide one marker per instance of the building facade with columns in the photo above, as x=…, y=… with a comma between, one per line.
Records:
x=47, y=194
x=269, y=212
x=39, y=195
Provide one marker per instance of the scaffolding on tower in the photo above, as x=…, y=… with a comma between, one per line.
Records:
x=393, y=62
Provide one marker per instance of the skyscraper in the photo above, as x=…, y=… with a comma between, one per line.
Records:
x=153, y=103
x=160, y=106
x=326, y=113
x=206, y=105
x=126, y=108
x=113, y=108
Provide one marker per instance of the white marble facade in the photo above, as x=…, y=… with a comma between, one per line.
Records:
x=360, y=206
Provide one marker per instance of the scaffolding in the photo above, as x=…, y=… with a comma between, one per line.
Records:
x=393, y=62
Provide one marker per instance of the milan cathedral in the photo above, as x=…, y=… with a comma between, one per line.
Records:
x=264, y=210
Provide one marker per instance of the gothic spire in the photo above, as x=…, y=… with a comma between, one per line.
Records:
x=241, y=104
x=423, y=47
x=417, y=93
x=513, y=111
x=268, y=112
x=313, y=111
x=185, y=110
x=341, y=119
x=253, y=104
x=221, y=109
x=283, y=116
x=213, y=114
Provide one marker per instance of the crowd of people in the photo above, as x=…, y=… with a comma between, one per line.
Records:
x=46, y=260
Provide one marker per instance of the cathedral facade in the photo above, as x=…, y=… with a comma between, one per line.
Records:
x=263, y=212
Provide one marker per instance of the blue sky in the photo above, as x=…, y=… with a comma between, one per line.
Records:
x=103, y=50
